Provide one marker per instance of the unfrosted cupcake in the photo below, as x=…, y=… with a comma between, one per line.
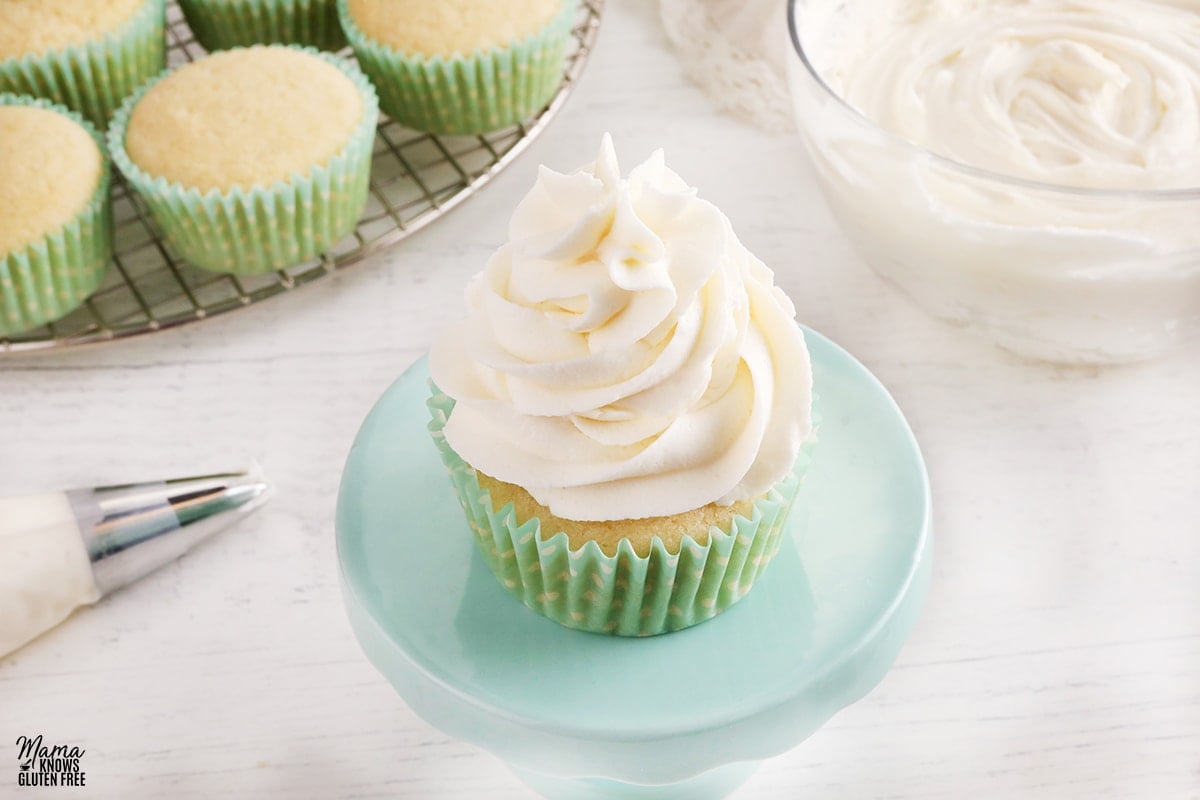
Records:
x=460, y=66
x=222, y=24
x=55, y=218
x=252, y=159
x=88, y=56
x=624, y=409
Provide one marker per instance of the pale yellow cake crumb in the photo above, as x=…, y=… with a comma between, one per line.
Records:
x=639, y=532
x=36, y=26
x=49, y=169
x=447, y=27
x=243, y=117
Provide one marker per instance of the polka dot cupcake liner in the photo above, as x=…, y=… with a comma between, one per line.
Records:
x=262, y=228
x=458, y=95
x=50, y=277
x=222, y=24
x=95, y=77
x=624, y=594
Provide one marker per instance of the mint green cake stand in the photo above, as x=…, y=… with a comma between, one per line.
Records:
x=686, y=715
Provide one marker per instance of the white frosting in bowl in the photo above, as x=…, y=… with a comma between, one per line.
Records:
x=624, y=356
x=1086, y=93
x=1027, y=167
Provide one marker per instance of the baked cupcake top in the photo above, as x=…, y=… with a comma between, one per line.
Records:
x=243, y=117
x=447, y=27
x=51, y=167
x=35, y=26
x=624, y=355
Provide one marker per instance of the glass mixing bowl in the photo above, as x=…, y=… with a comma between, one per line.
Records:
x=1051, y=272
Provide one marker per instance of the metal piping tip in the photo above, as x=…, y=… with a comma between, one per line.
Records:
x=132, y=530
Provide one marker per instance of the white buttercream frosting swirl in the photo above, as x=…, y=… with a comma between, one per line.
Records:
x=1088, y=93
x=624, y=355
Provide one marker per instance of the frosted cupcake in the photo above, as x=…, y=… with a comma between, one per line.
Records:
x=55, y=219
x=222, y=24
x=88, y=56
x=252, y=159
x=460, y=66
x=623, y=410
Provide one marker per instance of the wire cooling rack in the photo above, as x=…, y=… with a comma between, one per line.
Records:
x=416, y=178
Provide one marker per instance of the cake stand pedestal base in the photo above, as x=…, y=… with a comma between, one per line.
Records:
x=712, y=785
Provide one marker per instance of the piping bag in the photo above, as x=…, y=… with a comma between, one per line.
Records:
x=65, y=549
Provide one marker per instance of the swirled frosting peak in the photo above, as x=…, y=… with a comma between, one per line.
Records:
x=624, y=356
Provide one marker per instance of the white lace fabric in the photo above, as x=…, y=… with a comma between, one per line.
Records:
x=735, y=50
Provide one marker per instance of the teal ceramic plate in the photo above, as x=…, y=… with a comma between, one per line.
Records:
x=818, y=631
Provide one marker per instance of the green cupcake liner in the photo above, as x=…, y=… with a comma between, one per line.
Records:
x=49, y=278
x=95, y=77
x=263, y=228
x=454, y=95
x=222, y=24
x=624, y=594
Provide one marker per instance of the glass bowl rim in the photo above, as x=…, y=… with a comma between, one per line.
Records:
x=1182, y=193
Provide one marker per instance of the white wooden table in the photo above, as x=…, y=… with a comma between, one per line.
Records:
x=1058, y=655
